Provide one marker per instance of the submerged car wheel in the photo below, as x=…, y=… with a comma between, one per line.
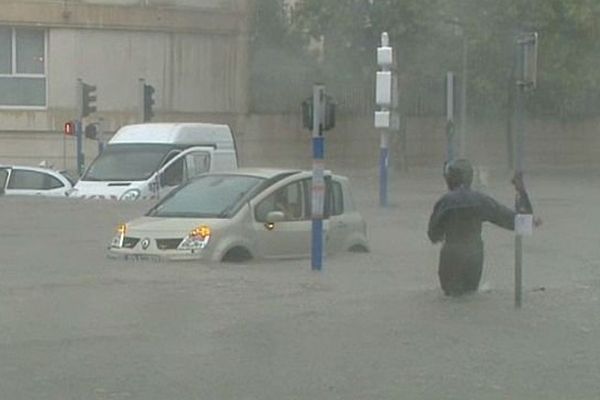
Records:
x=236, y=255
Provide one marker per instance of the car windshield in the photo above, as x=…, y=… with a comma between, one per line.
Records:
x=209, y=196
x=127, y=162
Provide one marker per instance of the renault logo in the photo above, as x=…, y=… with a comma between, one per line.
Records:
x=145, y=243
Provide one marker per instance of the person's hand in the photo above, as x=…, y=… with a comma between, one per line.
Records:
x=517, y=181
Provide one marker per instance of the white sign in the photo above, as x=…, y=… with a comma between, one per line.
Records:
x=382, y=119
x=383, y=88
x=524, y=224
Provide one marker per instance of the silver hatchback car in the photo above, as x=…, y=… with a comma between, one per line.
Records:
x=240, y=215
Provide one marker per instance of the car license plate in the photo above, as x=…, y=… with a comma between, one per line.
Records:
x=143, y=257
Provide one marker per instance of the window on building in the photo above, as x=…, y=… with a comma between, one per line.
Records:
x=22, y=67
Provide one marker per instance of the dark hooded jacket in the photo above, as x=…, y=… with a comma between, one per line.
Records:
x=458, y=216
x=456, y=221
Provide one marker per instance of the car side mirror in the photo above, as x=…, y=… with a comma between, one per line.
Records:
x=275, y=216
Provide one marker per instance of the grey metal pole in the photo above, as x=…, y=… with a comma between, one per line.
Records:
x=463, y=96
x=519, y=144
x=79, y=128
x=450, y=154
x=141, y=83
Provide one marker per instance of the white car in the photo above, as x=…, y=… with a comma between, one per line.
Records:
x=240, y=215
x=38, y=181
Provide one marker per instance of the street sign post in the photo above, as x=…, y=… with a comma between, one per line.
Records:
x=526, y=80
x=383, y=98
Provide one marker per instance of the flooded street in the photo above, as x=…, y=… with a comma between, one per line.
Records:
x=76, y=325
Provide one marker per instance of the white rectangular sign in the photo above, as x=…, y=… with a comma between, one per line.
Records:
x=524, y=224
x=383, y=88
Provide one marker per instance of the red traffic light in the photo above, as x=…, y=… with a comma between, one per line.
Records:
x=70, y=128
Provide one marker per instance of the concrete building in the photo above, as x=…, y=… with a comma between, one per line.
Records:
x=194, y=53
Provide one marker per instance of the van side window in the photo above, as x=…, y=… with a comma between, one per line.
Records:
x=173, y=175
x=200, y=163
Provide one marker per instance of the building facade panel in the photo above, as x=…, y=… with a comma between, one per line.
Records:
x=111, y=60
x=194, y=53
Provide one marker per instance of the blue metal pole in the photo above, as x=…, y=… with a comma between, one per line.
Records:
x=318, y=193
x=318, y=178
x=383, y=176
x=383, y=169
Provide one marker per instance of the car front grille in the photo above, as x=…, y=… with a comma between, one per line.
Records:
x=130, y=242
x=168, y=244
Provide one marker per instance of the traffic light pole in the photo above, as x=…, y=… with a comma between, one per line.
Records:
x=79, y=138
x=142, y=84
x=318, y=178
x=86, y=103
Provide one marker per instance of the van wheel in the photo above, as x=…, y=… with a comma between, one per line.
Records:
x=358, y=248
x=236, y=255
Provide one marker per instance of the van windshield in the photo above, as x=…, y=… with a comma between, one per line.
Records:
x=127, y=162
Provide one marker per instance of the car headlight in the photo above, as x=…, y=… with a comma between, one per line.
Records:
x=131, y=194
x=117, y=241
x=197, y=239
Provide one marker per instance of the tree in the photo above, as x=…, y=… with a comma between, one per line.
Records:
x=427, y=35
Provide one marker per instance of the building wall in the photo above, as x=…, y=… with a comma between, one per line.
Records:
x=354, y=143
x=193, y=52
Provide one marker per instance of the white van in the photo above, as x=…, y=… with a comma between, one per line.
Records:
x=147, y=161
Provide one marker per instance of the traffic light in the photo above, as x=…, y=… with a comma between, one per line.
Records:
x=148, y=102
x=328, y=118
x=69, y=128
x=329, y=122
x=91, y=131
x=307, y=114
x=88, y=99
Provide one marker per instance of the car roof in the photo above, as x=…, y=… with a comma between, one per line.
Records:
x=269, y=172
x=31, y=168
x=266, y=173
